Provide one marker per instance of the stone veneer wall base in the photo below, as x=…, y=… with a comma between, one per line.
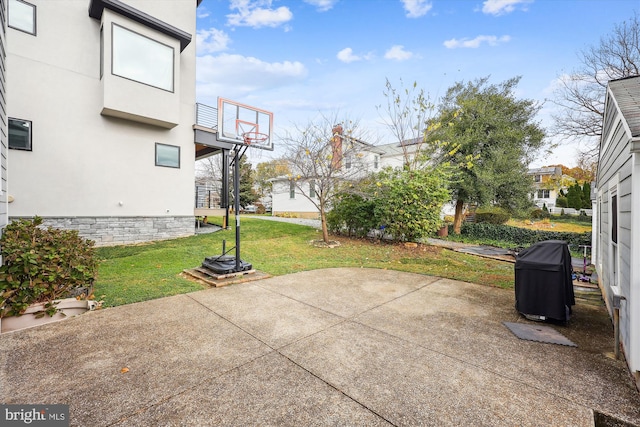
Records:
x=115, y=230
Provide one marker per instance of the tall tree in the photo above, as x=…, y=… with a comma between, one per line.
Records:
x=490, y=137
x=246, y=192
x=407, y=114
x=322, y=156
x=574, y=196
x=586, y=195
x=581, y=93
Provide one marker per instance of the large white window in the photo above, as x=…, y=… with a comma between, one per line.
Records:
x=167, y=155
x=142, y=59
x=22, y=16
x=20, y=134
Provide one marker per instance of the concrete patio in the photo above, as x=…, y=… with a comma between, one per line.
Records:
x=326, y=347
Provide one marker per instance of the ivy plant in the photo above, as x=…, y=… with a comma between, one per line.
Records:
x=42, y=265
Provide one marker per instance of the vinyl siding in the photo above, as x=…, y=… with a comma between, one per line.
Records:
x=615, y=167
x=3, y=117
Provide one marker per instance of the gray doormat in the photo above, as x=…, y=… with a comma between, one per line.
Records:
x=538, y=333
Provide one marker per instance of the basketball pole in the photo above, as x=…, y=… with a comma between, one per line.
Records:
x=236, y=202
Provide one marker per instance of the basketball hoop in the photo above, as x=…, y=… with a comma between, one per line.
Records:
x=251, y=138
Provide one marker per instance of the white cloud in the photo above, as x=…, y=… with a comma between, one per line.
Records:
x=416, y=8
x=475, y=43
x=398, y=53
x=257, y=14
x=212, y=40
x=322, y=5
x=346, y=55
x=501, y=7
x=201, y=12
x=236, y=75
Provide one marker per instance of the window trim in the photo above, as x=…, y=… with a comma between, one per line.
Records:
x=292, y=189
x=544, y=193
x=614, y=216
x=164, y=165
x=173, y=59
x=312, y=188
x=35, y=22
x=9, y=119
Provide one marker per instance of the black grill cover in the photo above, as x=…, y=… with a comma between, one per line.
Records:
x=543, y=280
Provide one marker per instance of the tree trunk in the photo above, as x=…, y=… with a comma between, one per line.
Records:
x=457, y=221
x=323, y=221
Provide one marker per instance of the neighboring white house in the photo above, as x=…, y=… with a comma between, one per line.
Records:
x=547, y=183
x=288, y=198
x=101, y=101
x=616, y=221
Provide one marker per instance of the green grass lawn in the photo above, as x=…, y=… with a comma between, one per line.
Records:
x=130, y=274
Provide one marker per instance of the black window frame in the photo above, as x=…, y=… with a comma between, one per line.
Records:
x=292, y=189
x=173, y=59
x=9, y=120
x=164, y=165
x=35, y=17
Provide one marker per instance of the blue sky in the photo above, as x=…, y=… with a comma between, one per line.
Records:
x=301, y=58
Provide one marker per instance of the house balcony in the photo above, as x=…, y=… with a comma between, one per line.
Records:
x=205, y=132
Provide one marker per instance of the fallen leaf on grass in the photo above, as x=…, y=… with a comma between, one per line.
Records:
x=124, y=370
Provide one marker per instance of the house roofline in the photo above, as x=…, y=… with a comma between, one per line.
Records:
x=96, y=7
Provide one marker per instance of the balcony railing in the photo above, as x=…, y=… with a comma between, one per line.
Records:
x=206, y=116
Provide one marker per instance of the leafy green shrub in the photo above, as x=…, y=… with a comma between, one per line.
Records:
x=408, y=203
x=521, y=236
x=492, y=215
x=352, y=215
x=562, y=202
x=42, y=265
x=539, y=214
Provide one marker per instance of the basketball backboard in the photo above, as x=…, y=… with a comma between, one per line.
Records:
x=245, y=125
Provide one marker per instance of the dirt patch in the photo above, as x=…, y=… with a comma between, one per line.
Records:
x=322, y=244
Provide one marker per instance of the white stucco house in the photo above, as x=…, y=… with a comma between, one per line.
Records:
x=616, y=220
x=101, y=116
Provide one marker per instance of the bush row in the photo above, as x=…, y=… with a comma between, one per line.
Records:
x=521, y=236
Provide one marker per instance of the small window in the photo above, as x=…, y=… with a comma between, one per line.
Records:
x=543, y=194
x=376, y=160
x=312, y=189
x=20, y=134
x=167, y=155
x=537, y=178
x=22, y=16
x=347, y=163
x=614, y=219
x=142, y=59
x=292, y=189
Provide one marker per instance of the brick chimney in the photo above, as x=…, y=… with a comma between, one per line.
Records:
x=336, y=145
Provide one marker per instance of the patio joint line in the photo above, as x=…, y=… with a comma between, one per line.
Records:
x=480, y=367
x=277, y=350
